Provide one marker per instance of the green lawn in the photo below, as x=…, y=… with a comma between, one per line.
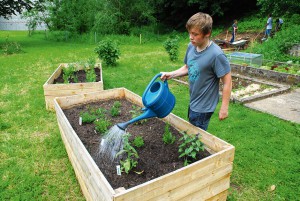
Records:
x=35, y=166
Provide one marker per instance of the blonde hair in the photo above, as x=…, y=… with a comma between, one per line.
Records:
x=201, y=21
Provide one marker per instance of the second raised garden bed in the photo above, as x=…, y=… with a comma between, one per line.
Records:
x=52, y=89
x=206, y=179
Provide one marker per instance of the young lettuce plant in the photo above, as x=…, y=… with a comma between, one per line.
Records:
x=190, y=146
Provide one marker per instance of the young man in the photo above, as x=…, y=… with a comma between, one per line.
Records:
x=268, y=26
x=234, y=28
x=205, y=65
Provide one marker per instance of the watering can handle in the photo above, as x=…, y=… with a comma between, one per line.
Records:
x=150, y=84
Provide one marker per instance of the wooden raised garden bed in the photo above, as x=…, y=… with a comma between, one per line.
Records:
x=206, y=179
x=52, y=90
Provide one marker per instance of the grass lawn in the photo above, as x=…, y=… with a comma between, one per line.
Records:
x=35, y=166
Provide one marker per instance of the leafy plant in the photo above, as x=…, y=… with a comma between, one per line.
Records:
x=90, y=75
x=190, y=146
x=135, y=112
x=92, y=114
x=115, y=109
x=108, y=51
x=168, y=137
x=87, y=117
x=69, y=73
x=11, y=47
x=102, y=125
x=138, y=141
x=171, y=45
x=131, y=155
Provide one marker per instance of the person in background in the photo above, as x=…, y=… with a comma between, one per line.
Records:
x=234, y=29
x=268, y=27
x=279, y=23
x=205, y=64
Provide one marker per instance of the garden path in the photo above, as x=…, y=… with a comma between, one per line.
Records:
x=285, y=106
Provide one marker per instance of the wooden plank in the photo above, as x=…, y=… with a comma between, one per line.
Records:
x=72, y=86
x=71, y=101
x=220, y=197
x=195, y=185
x=212, y=192
x=180, y=177
x=71, y=92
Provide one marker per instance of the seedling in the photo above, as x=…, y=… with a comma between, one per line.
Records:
x=189, y=148
x=168, y=137
x=92, y=114
x=102, y=125
x=130, y=153
x=115, y=110
x=138, y=141
x=87, y=117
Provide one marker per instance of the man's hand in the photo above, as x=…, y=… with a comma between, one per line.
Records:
x=223, y=114
x=166, y=76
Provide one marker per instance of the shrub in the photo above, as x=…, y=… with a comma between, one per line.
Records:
x=11, y=48
x=171, y=45
x=108, y=51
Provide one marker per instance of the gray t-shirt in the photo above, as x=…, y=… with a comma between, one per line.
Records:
x=204, y=71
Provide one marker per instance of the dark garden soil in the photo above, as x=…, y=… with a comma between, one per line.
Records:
x=81, y=75
x=155, y=158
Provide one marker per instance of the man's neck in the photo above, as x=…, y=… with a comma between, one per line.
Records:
x=204, y=46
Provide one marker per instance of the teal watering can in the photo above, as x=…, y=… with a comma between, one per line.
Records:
x=157, y=99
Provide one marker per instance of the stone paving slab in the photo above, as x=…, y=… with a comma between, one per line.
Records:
x=285, y=106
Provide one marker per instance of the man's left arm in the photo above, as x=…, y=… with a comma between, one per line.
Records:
x=227, y=85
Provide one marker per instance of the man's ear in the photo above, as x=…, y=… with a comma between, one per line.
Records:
x=207, y=35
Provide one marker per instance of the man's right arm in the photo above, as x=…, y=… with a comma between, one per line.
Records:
x=177, y=73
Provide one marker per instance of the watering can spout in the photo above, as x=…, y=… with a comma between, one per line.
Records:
x=147, y=114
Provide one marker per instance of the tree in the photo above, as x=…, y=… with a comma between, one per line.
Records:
x=12, y=7
x=279, y=7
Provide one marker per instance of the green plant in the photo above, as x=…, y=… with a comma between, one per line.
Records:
x=190, y=146
x=138, y=141
x=171, y=45
x=92, y=114
x=168, y=137
x=108, y=51
x=69, y=73
x=11, y=47
x=115, y=109
x=131, y=155
x=102, y=125
x=87, y=117
x=135, y=112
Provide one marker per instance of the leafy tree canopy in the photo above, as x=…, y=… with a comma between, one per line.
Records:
x=12, y=7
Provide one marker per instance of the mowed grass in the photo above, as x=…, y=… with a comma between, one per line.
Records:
x=35, y=166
